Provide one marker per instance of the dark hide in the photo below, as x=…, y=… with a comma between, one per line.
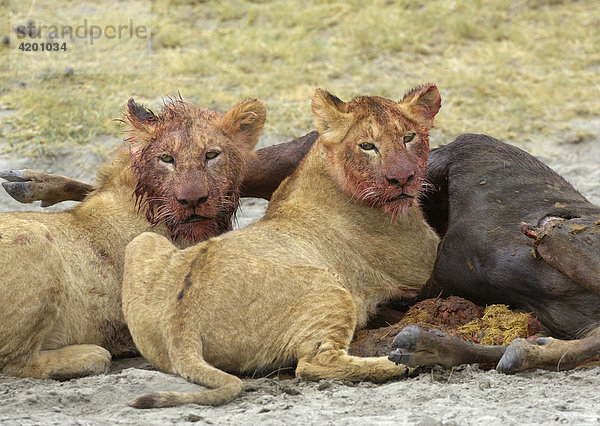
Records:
x=485, y=189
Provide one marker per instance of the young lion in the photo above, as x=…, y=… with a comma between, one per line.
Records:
x=341, y=234
x=60, y=308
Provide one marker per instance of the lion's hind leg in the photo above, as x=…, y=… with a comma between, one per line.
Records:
x=164, y=333
x=62, y=364
x=34, y=293
x=29, y=330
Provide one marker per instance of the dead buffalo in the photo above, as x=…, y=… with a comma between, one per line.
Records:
x=488, y=198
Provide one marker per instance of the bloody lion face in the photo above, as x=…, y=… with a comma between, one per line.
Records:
x=377, y=148
x=189, y=163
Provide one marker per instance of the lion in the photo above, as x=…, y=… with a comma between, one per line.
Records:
x=178, y=177
x=343, y=233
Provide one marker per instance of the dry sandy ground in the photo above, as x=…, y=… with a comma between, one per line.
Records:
x=466, y=395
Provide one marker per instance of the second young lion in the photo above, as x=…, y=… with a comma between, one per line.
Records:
x=343, y=233
x=60, y=273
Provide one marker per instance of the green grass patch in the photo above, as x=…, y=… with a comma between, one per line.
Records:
x=512, y=69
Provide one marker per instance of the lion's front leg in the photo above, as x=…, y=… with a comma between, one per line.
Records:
x=327, y=325
x=331, y=363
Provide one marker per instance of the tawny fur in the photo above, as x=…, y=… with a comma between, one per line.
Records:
x=292, y=288
x=60, y=273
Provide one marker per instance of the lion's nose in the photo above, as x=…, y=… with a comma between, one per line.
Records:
x=192, y=200
x=400, y=180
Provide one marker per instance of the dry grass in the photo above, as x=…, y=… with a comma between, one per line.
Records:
x=509, y=68
x=499, y=326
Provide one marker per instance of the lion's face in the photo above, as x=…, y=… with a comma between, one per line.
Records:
x=189, y=164
x=377, y=148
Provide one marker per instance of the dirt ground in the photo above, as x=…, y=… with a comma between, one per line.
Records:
x=466, y=395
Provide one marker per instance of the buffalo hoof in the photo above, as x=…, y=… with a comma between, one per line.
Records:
x=548, y=354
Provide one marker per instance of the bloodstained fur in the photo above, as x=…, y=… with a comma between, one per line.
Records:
x=183, y=129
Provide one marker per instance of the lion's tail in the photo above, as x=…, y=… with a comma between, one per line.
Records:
x=214, y=397
x=225, y=387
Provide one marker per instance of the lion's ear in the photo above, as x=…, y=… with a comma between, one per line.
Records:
x=331, y=118
x=245, y=122
x=142, y=122
x=422, y=104
x=140, y=117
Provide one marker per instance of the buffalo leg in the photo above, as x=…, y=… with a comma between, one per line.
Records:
x=27, y=186
x=417, y=346
x=548, y=353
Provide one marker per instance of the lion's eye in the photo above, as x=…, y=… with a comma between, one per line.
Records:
x=366, y=146
x=166, y=158
x=408, y=138
x=212, y=154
